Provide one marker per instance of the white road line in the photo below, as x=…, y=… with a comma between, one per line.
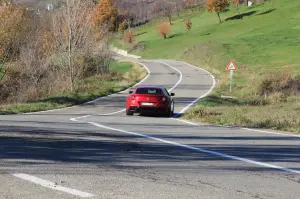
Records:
x=75, y=118
x=270, y=132
x=112, y=112
x=185, y=121
x=52, y=185
x=247, y=129
x=207, y=93
x=200, y=149
x=180, y=74
x=29, y=113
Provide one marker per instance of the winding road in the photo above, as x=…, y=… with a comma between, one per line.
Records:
x=95, y=151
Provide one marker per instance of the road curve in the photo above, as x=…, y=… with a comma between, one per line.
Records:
x=95, y=150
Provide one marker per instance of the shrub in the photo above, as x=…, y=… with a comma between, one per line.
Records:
x=122, y=27
x=163, y=29
x=188, y=24
x=279, y=82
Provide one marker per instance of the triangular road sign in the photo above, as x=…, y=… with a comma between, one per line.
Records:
x=231, y=66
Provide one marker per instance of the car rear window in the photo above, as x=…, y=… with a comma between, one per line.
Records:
x=154, y=91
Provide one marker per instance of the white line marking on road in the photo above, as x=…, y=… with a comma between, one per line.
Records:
x=75, y=118
x=52, y=185
x=270, y=132
x=29, y=113
x=200, y=149
x=180, y=74
x=185, y=121
x=207, y=93
x=112, y=112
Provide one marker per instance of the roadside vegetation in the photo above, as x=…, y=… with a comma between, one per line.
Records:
x=59, y=58
x=262, y=39
x=123, y=75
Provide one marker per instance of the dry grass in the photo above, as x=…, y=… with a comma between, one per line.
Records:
x=269, y=113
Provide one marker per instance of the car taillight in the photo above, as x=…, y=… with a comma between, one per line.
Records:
x=132, y=97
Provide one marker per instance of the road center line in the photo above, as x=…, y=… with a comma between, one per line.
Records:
x=52, y=185
x=199, y=149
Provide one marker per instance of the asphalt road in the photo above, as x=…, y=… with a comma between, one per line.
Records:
x=95, y=150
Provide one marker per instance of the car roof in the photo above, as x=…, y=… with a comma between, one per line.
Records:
x=149, y=86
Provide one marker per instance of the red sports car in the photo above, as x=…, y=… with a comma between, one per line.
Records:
x=150, y=99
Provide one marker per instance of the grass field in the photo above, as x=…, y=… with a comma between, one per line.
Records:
x=124, y=74
x=266, y=40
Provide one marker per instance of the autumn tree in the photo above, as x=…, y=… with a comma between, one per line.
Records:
x=163, y=29
x=104, y=13
x=14, y=28
x=217, y=6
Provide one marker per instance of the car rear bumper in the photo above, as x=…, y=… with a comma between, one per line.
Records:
x=143, y=109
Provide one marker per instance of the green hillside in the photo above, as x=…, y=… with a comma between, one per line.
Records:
x=265, y=41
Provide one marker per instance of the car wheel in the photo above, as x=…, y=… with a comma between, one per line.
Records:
x=128, y=112
x=170, y=111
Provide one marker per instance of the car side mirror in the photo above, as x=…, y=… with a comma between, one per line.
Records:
x=172, y=94
x=130, y=92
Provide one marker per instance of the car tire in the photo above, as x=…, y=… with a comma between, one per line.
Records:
x=128, y=112
x=170, y=111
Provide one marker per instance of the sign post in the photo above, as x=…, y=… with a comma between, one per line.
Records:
x=231, y=67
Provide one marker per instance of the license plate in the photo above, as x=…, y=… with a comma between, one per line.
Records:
x=147, y=104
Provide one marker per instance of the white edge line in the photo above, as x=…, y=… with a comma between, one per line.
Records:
x=112, y=113
x=52, y=185
x=200, y=149
x=270, y=132
x=186, y=121
x=207, y=93
x=76, y=118
x=180, y=74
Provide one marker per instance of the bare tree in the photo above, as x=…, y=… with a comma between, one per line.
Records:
x=166, y=8
x=72, y=35
x=178, y=5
